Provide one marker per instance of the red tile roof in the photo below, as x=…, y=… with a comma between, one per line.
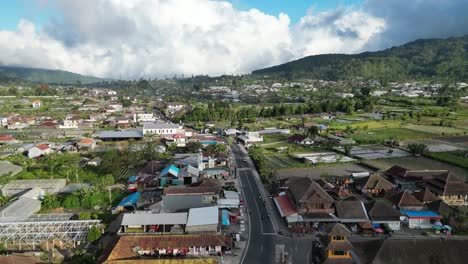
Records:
x=286, y=205
x=6, y=138
x=124, y=245
x=86, y=141
x=42, y=146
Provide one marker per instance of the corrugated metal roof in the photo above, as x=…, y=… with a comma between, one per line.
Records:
x=19, y=209
x=149, y=125
x=420, y=214
x=155, y=219
x=203, y=216
x=121, y=134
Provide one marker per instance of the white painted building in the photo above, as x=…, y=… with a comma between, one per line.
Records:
x=143, y=117
x=164, y=129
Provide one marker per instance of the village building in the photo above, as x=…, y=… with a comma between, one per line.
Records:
x=250, y=138
x=449, y=188
x=160, y=223
x=36, y=104
x=50, y=186
x=374, y=186
x=287, y=209
x=88, y=143
x=162, y=129
x=338, y=249
x=300, y=140
x=7, y=140
x=120, y=135
x=203, y=220
x=351, y=211
x=404, y=200
x=176, y=198
x=128, y=248
x=39, y=150
x=382, y=213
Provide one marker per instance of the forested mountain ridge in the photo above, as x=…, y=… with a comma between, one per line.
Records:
x=424, y=58
x=37, y=75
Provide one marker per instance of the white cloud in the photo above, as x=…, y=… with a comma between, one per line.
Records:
x=129, y=39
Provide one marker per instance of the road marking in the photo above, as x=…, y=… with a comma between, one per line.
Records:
x=256, y=205
x=250, y=229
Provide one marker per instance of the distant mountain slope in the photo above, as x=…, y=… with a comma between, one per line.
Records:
x=426, y=58
x=46, y=76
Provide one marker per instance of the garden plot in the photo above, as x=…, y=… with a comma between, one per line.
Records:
x=323, y=157
x=7, y=167
x=438, y=145
x=282, y=161
x=377, y=152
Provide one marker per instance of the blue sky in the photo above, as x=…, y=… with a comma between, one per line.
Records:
x=11, y=11
x=294, y=8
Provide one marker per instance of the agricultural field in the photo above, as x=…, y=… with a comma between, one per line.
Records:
x=126, y=173
x=436, y=130
x=452, y=157
x=315, y=172
x=458, y=141
x=375, y=152
x=369, y=124
x=272, y=138
x=282, y=161
x=379, y=135
x=417, y=163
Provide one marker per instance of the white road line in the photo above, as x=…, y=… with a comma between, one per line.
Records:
x=256, y=205
x=250, y=229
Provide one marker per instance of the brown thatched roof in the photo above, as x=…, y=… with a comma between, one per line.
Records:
x=338, y=229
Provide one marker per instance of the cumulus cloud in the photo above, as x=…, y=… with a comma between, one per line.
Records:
x=157, y=38
x=149, y=38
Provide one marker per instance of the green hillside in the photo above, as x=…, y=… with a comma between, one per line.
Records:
x=427, y=58
x=45, y=76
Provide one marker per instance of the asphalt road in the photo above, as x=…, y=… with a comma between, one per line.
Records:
x=264, y=245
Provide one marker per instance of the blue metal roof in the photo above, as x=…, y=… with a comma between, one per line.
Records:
x=225, y=217
x=130, y=200
x=420, y=214
x=172, y=168
x=132, y=179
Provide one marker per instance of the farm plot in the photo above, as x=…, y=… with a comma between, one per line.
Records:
x=336, y=170
x=323, y=157
x=379, y=135
x=436, y=130
x=282, y=161
x=436, y=145
x=376, y=152
x=417, y=163
x=125, y=173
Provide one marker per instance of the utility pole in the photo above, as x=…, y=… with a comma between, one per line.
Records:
x=110, y=196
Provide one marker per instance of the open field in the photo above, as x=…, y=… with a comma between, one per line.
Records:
x=370, y=124
x=271, y=148
x=282, y=161
x=436, y=130
x=455, y=140
x=417, y=163
x=315, y=172
x=323, y=157
x=434, y=145
x=379, y=135
x=271, y=138
x=451, y=157
x=376, y=152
